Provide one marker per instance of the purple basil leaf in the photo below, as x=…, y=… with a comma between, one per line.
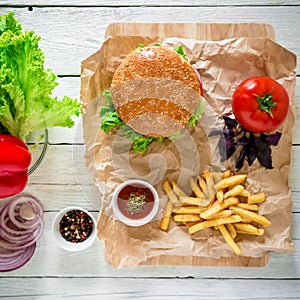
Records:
x=226, y=147
x=251, y=155
x=273, y=139
x=230, y=123
x=240, y=161
x=263, y=152
x=265, y=158
x=221, y=132
x=242, y=141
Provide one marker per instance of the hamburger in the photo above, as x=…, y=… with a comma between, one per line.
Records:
x=154, y=92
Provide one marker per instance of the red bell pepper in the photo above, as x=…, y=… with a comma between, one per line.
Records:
x=14, y=162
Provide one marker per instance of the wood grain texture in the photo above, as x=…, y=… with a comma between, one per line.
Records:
x=162, y=288
x=150, y=3
x=69, y=35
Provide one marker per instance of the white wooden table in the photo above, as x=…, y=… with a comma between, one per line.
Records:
x=71, y=31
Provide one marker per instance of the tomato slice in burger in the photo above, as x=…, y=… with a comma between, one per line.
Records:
x=260, y=104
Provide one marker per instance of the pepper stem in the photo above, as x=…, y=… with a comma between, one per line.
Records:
x=266, y=102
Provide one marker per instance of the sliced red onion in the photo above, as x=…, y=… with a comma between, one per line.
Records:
x=21, y=225
x=14, y=262
x=28, y=200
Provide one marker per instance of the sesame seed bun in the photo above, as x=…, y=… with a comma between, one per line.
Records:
x=155, y=91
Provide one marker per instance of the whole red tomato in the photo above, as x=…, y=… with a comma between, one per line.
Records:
x=260, y=104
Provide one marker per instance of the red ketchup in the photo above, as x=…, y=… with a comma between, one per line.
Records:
x=135, y=201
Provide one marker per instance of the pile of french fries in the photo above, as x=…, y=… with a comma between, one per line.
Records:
x=220, y=201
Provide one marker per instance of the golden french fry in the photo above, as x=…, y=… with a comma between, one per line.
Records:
x=230, y=181
x=231, y=230
x=235, y=191
x=221, y=214
x=170, y=193
x=229, y=240
x=186, y=218
x=190, y=224
x=248, y=228
x=195, y=187
x=215, y=222
x=166, y=217
x=245, y=193
x=193, y=209
x=194, y=201
x=251, y=215
x=256, y=198
x=246, y=220
x=220, y=196
x=226, y=174
x=210, y=185
x=247, y=206
x=177, y=190
x=203, y=186
x=216, y=207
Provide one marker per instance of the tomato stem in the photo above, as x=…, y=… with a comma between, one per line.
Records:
x=266, y=102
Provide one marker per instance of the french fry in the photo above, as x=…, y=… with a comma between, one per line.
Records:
x=203, y=186
x=248, y=229
x=231, y=230
x=251, y=215
x=221, y=214
x=190, y=224
x=215, y=222
x=230, y=181
x=229, y=240
x=221, y=202
x=246, y=220
x=186, y=218
x=167, y=215
x=235, y=191
x=220, y=196
x=193, y=209
x=177, y=190
x=194, y=201
x=196, y=189
x=216, y=207
x=245, y=193
x=210, y=192
x=247, y=206
x=256, y=198
x=226, y=174
x=170, y=193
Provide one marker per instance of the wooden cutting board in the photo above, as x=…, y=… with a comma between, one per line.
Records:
x=199, y=31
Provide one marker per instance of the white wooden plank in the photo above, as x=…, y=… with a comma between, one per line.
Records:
x=139, y=288
x=50, y=260
x=149, y=2
x=70, y=34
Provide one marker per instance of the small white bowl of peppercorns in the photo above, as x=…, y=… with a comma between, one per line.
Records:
x=74, y=229
x=135, y=202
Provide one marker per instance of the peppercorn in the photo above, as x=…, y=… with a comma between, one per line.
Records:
x=76, y=226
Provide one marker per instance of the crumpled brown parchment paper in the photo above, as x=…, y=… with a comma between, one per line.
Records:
x=223, y=65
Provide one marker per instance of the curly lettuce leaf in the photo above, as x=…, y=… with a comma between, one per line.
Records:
x=110, y=119
x=26, y=102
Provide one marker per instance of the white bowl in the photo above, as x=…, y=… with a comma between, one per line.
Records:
x=129, y=221
x=67, y=245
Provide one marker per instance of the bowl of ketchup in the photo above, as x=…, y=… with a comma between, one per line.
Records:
x=135, y=202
